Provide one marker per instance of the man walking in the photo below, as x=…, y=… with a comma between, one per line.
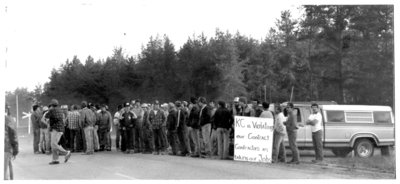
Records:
x=291, y=129
x=223, y=121
x=35, y=120
x=315, y=120
x=56, y=118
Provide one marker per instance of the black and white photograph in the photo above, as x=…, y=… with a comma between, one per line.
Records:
x=192, y=90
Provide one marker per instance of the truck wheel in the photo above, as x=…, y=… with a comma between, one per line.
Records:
x=385, y=151
x=341, y=152
x=364, y=148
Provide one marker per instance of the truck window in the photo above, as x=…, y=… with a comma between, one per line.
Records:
x=359, y=117
x=382, y=117
x=297, y=110
x=335, y=116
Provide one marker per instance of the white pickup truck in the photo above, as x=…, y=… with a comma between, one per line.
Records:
x=348, y=127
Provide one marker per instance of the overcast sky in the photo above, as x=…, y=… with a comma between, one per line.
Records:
x=42, y=34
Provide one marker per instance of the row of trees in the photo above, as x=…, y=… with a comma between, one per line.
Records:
x=335, y=52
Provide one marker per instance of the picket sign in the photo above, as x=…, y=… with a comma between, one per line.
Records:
x=253, y=139
x=28, y=115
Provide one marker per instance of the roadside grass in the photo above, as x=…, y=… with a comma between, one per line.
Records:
x=387, y=163
x=378, y=162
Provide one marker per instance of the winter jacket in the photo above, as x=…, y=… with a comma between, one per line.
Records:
x=223, y=118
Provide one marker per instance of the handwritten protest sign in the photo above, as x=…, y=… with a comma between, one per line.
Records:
x=253, y=139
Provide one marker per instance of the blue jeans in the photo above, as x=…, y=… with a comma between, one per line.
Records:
x=278, y=148
x=317, y=142
x=89, y=131
x=292, y=135
x=36, y=139
x=222, y=135
x=56, y=149
x=206, y=132
x=44, y=140
x=159, y=140
x=195, y=137
x=96, y=138
x=8, y=172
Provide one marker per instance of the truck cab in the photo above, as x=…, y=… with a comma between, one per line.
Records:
x=348, y=127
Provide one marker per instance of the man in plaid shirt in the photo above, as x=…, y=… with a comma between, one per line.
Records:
x=73, y=123
x=157, y=119
x=56, y=117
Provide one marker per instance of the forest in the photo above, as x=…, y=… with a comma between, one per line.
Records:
x=342, y=53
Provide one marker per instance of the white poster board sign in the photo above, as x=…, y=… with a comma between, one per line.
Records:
x=253, y=139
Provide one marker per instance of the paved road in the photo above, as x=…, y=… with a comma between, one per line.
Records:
x=118, y=166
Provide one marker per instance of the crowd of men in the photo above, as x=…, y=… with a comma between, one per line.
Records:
x=198, y=128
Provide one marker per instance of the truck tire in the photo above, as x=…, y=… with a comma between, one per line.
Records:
x=364, y=148
x=341, y=152
x=385, y=151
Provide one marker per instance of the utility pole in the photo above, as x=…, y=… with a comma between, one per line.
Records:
x=291, y=95
x=265, y=93
x=17, y=112
x=270, y=90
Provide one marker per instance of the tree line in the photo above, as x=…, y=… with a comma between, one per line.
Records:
x=342, y=53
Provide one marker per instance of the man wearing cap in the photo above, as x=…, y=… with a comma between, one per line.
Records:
x=44, y=138
x=105, y=123
x=246, y=110
x=157, y=119
x=56, y=117
x=127, y=122
x=35, y=120
x=236, y=109
x=88, y=119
